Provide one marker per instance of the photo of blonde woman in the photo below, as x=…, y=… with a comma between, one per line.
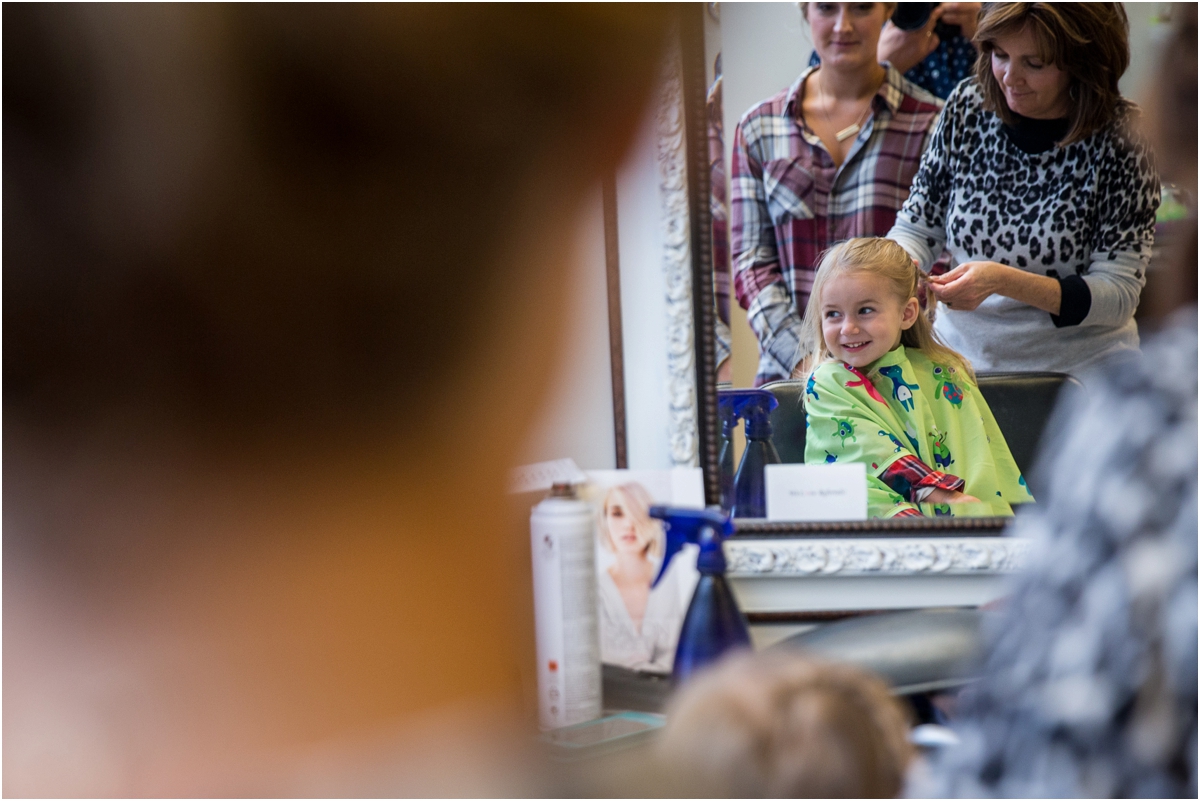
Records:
x=639, y=625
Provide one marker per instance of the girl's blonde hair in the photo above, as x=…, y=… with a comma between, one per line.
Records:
x=885, y=258
x=637, y=506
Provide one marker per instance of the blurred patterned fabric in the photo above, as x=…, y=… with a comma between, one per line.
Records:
x=1090, y=678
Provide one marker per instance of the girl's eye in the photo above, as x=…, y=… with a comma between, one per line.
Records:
x=826, y=8
x=829, y=315
x=867, y=310
x=1034, y=65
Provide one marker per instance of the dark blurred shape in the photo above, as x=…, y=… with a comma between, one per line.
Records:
x=913, y=16
x=258, y=259
x=1171, y=120
x=910, y=16
x=254, y=216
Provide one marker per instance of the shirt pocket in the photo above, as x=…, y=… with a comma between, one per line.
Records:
x=788, y=186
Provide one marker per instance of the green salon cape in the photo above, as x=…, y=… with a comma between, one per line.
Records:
x=905, y=404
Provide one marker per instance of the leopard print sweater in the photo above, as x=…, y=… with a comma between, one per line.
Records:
x=1083, y=210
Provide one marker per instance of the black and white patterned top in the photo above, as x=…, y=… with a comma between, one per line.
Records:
x=1083, y=213
x=1089, y=688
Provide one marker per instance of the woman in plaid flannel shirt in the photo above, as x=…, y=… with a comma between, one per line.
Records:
x=828, y=159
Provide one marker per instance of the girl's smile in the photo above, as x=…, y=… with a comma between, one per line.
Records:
x=861, y=317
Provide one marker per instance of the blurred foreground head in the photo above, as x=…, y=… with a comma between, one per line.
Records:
x=776, y=725
x=258, y=261
x=270, y=221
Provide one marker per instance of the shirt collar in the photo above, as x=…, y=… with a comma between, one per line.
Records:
x=890, y=90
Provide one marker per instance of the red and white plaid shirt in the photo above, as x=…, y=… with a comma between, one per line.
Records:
x=789, y=203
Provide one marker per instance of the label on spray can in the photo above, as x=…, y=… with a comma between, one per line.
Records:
x=564, y=600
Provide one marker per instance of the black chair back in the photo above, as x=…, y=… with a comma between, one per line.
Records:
x=788, y=419
x=1021, y=403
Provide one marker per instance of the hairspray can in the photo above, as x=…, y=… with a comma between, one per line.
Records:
x=564, y=601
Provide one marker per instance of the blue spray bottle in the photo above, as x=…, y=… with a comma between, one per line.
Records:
x=727, y=409
x=713, y=623
x=750, y=488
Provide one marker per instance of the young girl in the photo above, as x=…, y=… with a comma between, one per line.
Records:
x=882, y=390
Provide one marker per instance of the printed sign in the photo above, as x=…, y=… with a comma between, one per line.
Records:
x=816, y=492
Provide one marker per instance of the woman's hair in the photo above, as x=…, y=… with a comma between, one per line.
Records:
x=779, y=725
x=885, y=258
x=889, y=8
x=637, y=506
x=1088, y=41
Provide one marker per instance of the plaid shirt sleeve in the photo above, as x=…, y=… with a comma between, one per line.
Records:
x=908, y=511
x=758, y=279
x=908, y=474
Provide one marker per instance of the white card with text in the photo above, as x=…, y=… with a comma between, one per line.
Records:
x=817, y=491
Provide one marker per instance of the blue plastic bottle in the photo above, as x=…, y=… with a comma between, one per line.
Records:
x=727, y=409
x=713, y=623
x=750, y=488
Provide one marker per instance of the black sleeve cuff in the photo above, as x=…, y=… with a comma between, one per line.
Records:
x=1076, y=302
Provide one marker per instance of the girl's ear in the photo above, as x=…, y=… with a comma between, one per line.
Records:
x=909, y=314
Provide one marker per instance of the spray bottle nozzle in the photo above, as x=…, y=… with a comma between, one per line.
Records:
x=707, y=528
x=727, y=411
x=752, y=405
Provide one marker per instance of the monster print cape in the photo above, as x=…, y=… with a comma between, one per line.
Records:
x=905, y=404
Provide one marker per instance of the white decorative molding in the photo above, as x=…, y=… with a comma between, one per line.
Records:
x=677, y=264
x=884, y=556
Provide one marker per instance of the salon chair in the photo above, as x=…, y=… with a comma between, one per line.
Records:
x=1021, y=403
x=920, y=651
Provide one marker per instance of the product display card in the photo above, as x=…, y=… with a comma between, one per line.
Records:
x=816, y=491
x=639, y=626
x=540, y=476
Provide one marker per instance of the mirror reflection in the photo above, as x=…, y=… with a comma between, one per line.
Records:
x=1001, y=205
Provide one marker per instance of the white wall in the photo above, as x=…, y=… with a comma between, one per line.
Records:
x=577, y=420
x=764, y=47
x=644, y=302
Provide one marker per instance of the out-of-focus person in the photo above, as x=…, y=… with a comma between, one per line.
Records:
x=827, y=159
x=257, y=262
x=1040, y=186
x=1089, y=687
x=935, y=56
x=778, y=725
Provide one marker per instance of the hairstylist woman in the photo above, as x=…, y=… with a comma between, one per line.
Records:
x=1042, y=191
x=828, y=159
